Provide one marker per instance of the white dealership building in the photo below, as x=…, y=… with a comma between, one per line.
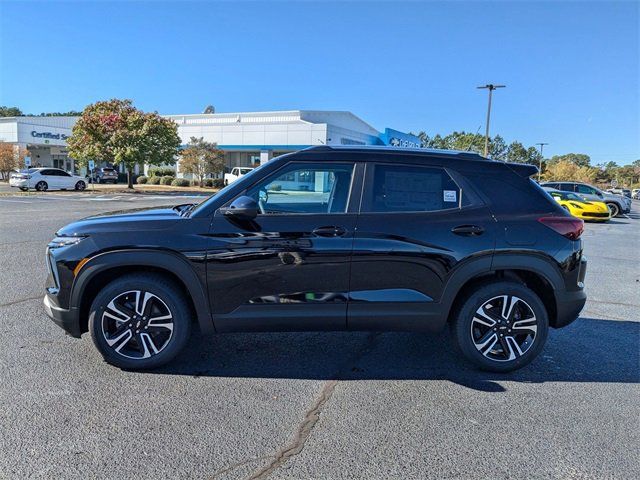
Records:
x=247, y=138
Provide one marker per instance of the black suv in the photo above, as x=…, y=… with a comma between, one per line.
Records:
x=330, y=239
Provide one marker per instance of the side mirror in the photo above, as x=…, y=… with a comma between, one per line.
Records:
x=242, y=208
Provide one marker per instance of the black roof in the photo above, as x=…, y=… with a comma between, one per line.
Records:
x=469, y=159
x=428, y=152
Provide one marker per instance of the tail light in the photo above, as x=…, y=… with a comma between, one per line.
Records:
x=569, y=227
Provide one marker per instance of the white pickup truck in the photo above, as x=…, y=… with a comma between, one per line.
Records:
x=235, y=174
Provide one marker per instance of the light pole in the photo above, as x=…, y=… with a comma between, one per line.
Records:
x=491, y=87
x=541, y=157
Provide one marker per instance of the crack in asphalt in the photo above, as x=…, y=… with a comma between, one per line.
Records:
x=37, y=297
x=233, y=466
x=311, y=417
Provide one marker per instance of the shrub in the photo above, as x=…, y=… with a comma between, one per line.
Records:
x=142, y=179
x=218, y=183
x=167, y=179
x=207, y=182
x=180, y=182
x=153, y=180
x=162, y=172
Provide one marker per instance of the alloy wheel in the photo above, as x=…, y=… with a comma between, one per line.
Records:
x=504, y=328
x=137, y=324
x=613, y=208
x=41, y=186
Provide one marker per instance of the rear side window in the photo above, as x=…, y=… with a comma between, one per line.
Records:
x=405, y=188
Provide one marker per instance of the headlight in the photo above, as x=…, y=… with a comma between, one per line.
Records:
x=576, y=205
x=58, y=242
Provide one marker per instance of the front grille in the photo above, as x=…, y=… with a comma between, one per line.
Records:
x=596, y=215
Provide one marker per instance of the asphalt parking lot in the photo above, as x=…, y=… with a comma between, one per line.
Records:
x=315, y=405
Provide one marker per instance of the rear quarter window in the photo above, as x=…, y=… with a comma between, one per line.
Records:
x=510, y=193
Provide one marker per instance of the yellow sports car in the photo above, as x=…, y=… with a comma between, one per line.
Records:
x=578, y=207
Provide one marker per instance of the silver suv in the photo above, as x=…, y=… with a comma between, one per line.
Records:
x=104, y=175
x=618, y=204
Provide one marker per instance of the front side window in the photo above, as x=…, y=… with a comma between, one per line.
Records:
x=305, y=188
x=404, y=188
x=584, y=189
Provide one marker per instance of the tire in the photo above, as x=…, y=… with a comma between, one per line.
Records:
x=615, y=210
x=42, y=186
x=80, y=185
x=118, y=331
x=481, y=342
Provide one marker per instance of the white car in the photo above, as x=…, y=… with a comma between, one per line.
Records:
x=43, y=179
x=235, y=174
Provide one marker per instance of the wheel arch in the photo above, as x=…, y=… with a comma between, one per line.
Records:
x=537, y=273
x=105, y=267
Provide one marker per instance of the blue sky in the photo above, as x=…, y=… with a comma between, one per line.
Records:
x=571, y=68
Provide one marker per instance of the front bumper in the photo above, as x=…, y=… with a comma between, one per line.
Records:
x=68, y=320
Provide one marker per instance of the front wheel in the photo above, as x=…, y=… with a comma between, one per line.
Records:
x=140, y=321
x=614, y=209
x=500, y=327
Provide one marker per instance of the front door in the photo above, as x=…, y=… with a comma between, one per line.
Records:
x=288, y=269
x=415, y=227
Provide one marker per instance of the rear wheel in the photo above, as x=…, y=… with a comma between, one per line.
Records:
x=614, y=209
x=42, y=186
x=500, y=327
x=81, y=185
x=140, y=321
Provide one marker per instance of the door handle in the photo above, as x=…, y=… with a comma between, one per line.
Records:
x=331, y=231
x=468, y=230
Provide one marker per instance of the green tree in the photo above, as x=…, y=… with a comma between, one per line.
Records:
x=70, y=113
x=579, y=159
x=201, y=158
x=10, y=112
x=517, y=153
x=117, y=132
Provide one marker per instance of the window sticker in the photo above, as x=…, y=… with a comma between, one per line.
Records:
x=450, y=195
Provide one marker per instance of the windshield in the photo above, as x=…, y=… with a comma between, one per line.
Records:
x=245, y=178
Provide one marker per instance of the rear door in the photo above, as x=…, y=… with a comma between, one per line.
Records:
x=416, y=225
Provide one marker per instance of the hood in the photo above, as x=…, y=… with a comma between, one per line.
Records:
x=124, y=220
